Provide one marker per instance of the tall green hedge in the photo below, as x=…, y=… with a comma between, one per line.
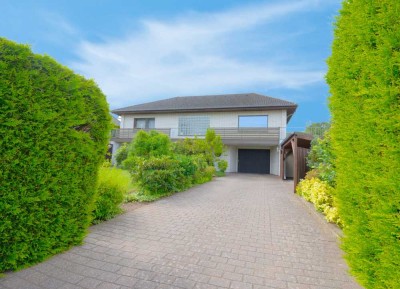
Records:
x=54, y=127
x=364, y=79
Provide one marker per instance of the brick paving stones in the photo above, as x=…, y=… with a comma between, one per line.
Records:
x=240, y=231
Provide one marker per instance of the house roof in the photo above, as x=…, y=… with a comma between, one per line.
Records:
x=304, y=139
x=224, y=102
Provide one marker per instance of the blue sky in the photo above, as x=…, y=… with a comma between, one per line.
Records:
x=140, y=51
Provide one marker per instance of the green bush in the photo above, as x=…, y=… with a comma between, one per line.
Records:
x=150, y=144
x=190, y=146
x=318, y=185
x=214, y=144
x=208, y=173
x=113, y=186
x=364, y=80
x=222, y=165
x=54, y=128
x=160, y=168
x=159, y=175
x=211, y=147
x=204, y=175
x=189, y=166
x=321, y=158
x=200, y=176
x=121, y=154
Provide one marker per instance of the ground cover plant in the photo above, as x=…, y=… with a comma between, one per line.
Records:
x=54, y=128
x=364, y=80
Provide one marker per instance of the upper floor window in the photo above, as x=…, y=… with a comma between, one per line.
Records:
x=253, y=121
x=193, y=125
x=144, y=123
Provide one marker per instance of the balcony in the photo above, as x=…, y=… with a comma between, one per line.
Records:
x=127, y=134
x=250, y=136
x=230, y=136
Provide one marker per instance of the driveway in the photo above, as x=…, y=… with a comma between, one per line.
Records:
x=240, y=231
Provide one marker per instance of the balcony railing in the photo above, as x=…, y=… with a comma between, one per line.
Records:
x=268, y=136
x=126, y=134
x=230, y=136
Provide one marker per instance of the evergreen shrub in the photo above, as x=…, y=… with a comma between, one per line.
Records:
x=150, y=144
x=121, y=154
x=364, y=80
x=222, y=165
x=112, y=189
x=159, y=175
x=54, y=128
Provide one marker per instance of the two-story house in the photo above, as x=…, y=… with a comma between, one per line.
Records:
x=251, y=125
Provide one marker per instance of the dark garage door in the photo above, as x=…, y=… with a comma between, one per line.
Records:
x=254, y=161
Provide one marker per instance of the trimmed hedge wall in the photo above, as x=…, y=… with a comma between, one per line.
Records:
x=364, y=79
x=54, y=128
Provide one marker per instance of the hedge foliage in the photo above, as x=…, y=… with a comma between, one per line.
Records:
x=364, y=80
x=112, y=189
x=54, y=128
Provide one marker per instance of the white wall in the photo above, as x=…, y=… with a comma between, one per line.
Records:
x=274, y=160
x=116, y=146
x=230, y=155
x=283, y=126
x=276, y=118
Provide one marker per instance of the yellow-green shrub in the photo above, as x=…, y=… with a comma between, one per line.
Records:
x=364, y=80
x=319, y=193
x=113, y=186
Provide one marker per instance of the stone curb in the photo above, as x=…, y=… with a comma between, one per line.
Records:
x=333, y=228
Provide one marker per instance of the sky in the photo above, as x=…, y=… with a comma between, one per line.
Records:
x=141, y=51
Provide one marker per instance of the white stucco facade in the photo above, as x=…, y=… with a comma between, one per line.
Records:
x=219, y=120
x=276, y=118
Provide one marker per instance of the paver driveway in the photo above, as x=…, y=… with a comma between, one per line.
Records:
x=241, y=231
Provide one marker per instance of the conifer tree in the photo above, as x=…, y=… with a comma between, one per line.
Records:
x=364, y=80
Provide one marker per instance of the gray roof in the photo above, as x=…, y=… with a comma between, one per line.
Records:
x=225, y=102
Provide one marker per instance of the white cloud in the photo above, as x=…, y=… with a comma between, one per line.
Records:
x=56, y=29
x=198, y=53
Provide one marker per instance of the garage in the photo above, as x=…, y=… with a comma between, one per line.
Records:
x=254, y=161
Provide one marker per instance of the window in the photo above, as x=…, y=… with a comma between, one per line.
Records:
x=193, y=125
x=253, y=121
x=144, y=123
